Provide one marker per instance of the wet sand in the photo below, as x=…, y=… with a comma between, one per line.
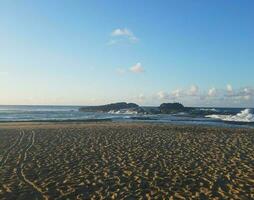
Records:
x=125, y=161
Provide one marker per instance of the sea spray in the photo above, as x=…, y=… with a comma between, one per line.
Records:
x=243, y=116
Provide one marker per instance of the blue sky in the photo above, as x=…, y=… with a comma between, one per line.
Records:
x=200, y=53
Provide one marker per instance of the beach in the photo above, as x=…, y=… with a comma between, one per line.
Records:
x=112, y=160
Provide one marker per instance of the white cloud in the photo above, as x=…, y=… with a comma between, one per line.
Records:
x=176, y=93
x=193, y=90
x=243, y=94
x=162, y=95
x=229, y=88
x=212, y=92
x=247, y=97
x=122, y=33
x=137, y=68
x=248, y=91
x=240, y=97
x=141, y=97
x=194, y=96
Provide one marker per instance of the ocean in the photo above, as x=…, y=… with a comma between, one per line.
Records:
x=225, y=117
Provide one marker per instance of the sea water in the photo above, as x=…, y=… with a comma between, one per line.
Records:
x=236, y=117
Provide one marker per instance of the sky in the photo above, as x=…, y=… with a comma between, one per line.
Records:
x=199, y=53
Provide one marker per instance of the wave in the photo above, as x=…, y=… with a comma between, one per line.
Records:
x=123, y=112
x=243, y=116
x=209, y=109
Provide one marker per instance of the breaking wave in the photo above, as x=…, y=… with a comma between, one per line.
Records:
x=243, y=116
x=123, y=112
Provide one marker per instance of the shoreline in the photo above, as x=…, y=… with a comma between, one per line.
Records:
x=82, y=123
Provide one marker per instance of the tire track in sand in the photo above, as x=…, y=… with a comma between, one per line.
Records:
x=6, y=155
x=20, y=169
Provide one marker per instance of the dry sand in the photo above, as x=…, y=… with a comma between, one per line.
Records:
x=125, y=161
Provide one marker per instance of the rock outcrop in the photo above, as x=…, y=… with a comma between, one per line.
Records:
x=171, y=108
x=113, y=107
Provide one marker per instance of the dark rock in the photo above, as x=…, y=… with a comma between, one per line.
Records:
x=123, y=107
x=171, y=108
x=112, y=107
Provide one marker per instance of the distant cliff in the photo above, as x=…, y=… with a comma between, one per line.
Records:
x=112, y=107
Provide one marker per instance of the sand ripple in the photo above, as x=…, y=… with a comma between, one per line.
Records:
x=125, y=161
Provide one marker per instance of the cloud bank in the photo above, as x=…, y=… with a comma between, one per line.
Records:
x=210, y=97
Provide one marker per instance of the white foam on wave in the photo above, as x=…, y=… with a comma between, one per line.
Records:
x=243, y=116
x=123, y=112
x=209, y=109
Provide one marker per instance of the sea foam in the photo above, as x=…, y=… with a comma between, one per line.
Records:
x=243, y=116
x=123, y=112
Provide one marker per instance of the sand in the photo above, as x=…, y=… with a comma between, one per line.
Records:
x=125, y=161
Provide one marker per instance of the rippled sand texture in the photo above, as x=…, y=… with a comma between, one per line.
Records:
x=125, y=161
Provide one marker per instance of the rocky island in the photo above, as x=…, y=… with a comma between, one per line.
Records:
x=114, y=107
x=165, y=108
x=171, y=108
